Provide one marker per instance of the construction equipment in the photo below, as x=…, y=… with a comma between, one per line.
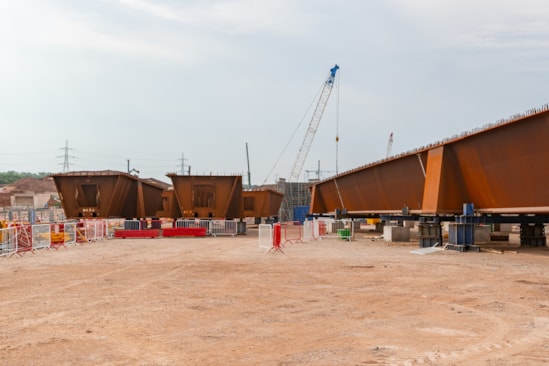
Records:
x=296, y=194
x=319, y=173
x=313, y=125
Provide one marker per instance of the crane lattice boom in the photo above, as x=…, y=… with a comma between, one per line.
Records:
x=313, y=125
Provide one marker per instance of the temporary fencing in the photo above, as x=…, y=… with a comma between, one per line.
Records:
x=270, y=237
x=32, y=215
x=63, y=234
x=8, y=241
x=94, y=229
x=24, y=237
x=324, y=228
x=69, y=233
x=112, y=225
x=41, y=236
x=21, y=238
x=223, y=227
x=147, y=228
x=132, y=225
x=181, y=227
x=292, y=231
x=150, y=224
x=193, y=224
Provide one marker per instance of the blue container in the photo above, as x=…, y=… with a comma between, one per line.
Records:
x=300, y=213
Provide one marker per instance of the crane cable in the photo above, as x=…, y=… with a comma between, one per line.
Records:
x=337, y=123
x=337, y=142
x=294, y=133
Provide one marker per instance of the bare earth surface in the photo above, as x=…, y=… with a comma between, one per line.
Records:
x=224, y=301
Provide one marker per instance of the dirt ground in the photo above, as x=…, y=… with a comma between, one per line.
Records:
x=225, y=301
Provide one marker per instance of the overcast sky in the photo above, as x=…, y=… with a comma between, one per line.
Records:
x=153, y=81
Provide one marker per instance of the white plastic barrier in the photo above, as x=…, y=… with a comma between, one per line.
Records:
x=265, y=236
x=328, y=228
x=41, y=236
x=310, y=230
x=8, y=241
x=223, y=227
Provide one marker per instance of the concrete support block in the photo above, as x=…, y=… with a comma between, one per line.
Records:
x=396, y=233
x=514, y=238
x=482, y=234
x=409, y=224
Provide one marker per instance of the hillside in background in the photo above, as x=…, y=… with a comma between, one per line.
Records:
x=12, y=176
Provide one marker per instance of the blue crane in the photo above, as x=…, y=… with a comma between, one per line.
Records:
x=313, y=125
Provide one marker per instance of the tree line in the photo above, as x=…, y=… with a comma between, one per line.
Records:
x=12, y=176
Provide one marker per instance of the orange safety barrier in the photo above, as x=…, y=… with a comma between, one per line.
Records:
x=57, y=236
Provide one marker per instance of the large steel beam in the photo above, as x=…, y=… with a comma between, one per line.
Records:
x=108, y=194
x=501, y=169
x=261, y=203
x=504, y=168
x=208, y=196
x=384, y=188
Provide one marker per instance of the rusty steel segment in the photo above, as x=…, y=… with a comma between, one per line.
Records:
x=152, y=199
x=208, y=196
x=170, y=207
x=384, y=187
x=444, y=190
x=261, y=203
x=502, y=169
x=107, y=194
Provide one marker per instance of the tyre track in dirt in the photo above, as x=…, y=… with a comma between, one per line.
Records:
x=494, y=342
x=29, y=322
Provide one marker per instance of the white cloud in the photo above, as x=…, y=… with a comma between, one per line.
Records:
x=155, y=9
x=522, y=35
x=232, y=17
x=50, y=25
x=468, y=23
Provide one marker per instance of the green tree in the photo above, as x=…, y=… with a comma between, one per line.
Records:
x=13, y=176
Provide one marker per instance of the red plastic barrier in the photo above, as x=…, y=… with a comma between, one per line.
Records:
x=321, y=228
x=184, y=231
x=276, y=235
x=276, y=238
x=152, y=233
